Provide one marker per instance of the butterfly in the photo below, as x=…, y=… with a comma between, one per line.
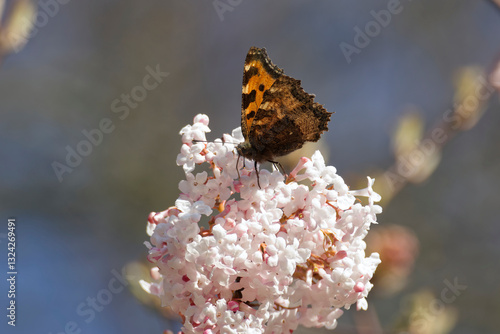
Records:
x=277, y=115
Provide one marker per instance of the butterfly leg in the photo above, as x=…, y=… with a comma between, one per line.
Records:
x=278, y=166
x=237, y=165
x=257, y=171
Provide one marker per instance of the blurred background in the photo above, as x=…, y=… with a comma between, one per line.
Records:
x=413, y=85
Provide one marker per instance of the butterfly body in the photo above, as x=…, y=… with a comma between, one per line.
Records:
x=277, y=116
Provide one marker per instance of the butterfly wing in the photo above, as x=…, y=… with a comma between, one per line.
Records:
x=285, y=120
x=258, y=77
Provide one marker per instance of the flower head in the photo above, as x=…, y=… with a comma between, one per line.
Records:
x=287, y=253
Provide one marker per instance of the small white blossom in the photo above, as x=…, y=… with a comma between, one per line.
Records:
x=272, y=257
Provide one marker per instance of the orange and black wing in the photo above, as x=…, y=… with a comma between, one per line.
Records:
x=285, y=119
x=258, y=77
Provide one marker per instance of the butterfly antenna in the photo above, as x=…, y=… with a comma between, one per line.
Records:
x=206, y=141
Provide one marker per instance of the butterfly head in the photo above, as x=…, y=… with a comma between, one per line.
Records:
x=256, y=153
x=246, y=150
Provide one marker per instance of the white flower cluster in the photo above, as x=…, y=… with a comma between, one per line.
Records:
x=270, y=258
